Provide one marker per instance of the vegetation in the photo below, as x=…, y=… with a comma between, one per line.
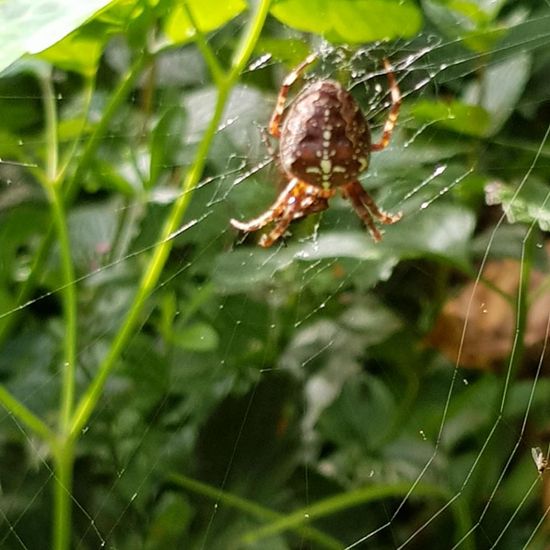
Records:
x=167, y=383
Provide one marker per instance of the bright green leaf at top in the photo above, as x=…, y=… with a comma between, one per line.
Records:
x=460, y=117
x=351, y=21
x=208, y=15
x=31, y=26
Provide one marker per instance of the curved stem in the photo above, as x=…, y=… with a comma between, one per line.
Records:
x=160, y=253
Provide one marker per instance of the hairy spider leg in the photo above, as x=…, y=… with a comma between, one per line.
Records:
x=276, y=117
x=394, y=111
x=366, y=208
x=271, y=214
x=297, y=200
x=305, y=200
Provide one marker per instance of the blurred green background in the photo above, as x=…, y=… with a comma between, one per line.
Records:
x=166, y=383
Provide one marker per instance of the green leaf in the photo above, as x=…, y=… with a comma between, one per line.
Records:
x=76, y=52
x=500, y=89
x=208, y=16
x=455, y=115
x=196, y=337
x=529, y=204
x=361, y=415
x=351, y=21
x=31, y=26
x=244, y=268
x=442, y=230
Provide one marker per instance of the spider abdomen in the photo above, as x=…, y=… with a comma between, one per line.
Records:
x=325, y=138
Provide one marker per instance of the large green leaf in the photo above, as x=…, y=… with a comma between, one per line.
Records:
x=31, y=26
x=351, y=21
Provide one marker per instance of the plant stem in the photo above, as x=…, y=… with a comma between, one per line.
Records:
x=344, y=501
x=55, y=197
x=69, y=310
x=24, y=415
x=50, y=128
x=63, y=483
x=253, y=509
x=162, y=250
x=63, y=450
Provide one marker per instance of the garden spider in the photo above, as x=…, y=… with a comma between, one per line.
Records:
x=324, y=144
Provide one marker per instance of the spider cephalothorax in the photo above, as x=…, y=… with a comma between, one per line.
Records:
x=324, y=145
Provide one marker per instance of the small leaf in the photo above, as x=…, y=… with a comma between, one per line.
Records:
x=244, y=268
x=466, y=119
x=443, y=230
x=351, y=21
x=208, y=16
x=196, y=337
x=529, y=204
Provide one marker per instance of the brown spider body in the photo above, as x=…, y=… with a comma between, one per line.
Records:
x=324, y=145
x=325, y=139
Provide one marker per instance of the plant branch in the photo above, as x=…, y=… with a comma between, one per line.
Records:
x=15, y=408
x=253, y=509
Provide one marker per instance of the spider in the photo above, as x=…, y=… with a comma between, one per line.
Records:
x=324, y=144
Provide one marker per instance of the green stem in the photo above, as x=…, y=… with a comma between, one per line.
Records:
x=253, y=509
x=14, y=407
x=63, y=483
x=337, y=503
x=161, y=252
x=50, y=128
x=88, y=93
x=69, y=311
x=63, y=450
x=52, y=188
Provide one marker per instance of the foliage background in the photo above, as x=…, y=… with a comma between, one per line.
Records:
x=302, y=396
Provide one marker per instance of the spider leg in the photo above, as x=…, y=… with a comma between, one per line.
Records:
x=276, y=117
x=366, y=208
x=305, y=200
x=267, y=239
x=273, y=213
x=394, y=111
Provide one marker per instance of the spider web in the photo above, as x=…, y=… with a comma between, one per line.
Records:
x=327, y=350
